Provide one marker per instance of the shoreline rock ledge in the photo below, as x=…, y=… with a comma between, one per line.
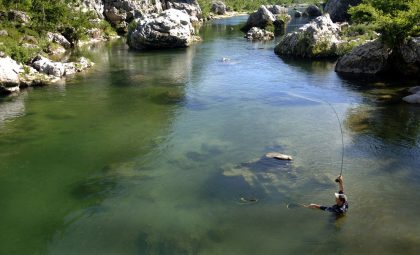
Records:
x=171, y=28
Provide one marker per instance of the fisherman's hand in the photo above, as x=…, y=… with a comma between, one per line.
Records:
x=313, y=206
x=340, y=179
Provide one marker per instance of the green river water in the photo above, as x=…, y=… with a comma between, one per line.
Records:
x=151, y=152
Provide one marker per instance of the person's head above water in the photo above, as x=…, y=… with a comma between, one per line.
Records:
x=340, y=199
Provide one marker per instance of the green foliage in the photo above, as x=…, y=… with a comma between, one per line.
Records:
x=17, y=51
x=347, y=46
x=364, y=13
x=395, y=20
x=46, y=16
x=323, y=49
x=356, y=30
x=107, y=28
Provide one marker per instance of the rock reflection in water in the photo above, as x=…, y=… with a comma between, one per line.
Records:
x=12, y=107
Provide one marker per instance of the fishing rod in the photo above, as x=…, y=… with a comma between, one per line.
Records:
x=342, y=138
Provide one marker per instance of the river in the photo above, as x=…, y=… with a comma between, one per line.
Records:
x=151, y=153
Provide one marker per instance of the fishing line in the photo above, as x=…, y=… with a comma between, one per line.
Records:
x=295, y=205
x=339, y=123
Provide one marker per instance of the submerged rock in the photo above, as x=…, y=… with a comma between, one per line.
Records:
x=319, y=38
x=169, y=29
x=338, y=9
x=256, y=33
x=279, y=156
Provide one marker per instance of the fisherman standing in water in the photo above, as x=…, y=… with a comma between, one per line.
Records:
x=341, y=206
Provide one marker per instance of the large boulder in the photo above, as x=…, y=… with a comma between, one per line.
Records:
x=319, y=38
x=313, y=11
x=218, y=7
x=121, y=12
x=59, y=69
x=58, y=39
x=18, y=16
x=261, y=18
x=259, y=34
x=277, y=9
x=44, y=65
x=170, y=29
x=338, y=9
x=190, y=6
x=9, y=72
x=407, y=59
x=96, y=6
x=265, y=17
x=370, y=58
x=376, y=58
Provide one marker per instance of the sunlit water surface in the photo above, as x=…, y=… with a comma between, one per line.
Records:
x=151, y=153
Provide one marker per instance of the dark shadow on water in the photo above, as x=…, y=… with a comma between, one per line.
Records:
x=95, y=189
x=388, y=117
x=310, y=66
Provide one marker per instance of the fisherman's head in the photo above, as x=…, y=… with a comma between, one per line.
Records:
x=340, y=199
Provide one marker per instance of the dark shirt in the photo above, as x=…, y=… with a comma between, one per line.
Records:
x=339, y=210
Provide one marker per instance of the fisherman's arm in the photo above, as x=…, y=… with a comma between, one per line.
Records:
x=321, y=207
x=340, y=184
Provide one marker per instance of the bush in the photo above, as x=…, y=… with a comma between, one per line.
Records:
x=395, y=20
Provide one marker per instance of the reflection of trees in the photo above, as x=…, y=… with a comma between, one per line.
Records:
x=387, y=116
x=391, y=123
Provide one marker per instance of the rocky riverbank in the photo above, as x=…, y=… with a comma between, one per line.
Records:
x=41, y=71
x=28, y=60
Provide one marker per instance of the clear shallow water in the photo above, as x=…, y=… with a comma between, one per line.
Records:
x=150, y=153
